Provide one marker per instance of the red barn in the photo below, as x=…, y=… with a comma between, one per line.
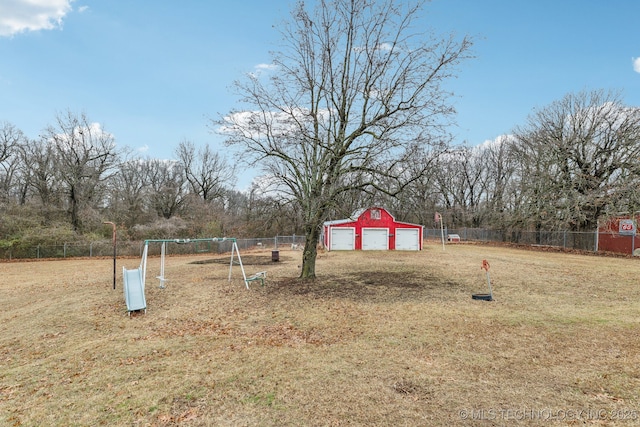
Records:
x=372, y=229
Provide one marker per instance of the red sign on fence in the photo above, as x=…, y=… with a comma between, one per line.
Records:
x=627, y=227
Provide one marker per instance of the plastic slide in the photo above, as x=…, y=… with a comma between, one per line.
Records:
x=134, y=290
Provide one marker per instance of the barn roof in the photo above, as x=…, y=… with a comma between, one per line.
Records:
x=354, y=216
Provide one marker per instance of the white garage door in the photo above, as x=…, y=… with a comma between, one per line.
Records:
x=407, y=239
x=343, y=239
x=375, y=239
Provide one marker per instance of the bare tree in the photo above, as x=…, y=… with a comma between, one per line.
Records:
x=167, y=187
x=13, y=186
x=475, y=183
x=462, y=179
x=356, y=94
x=85, y=154
x=38, y=160
x=581, y=151
x=501, y=166
x=206, y=171
x=130, y=192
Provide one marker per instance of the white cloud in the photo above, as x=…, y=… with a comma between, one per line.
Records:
x=493, y=143
x=143, y=149
x=636, y=64
x=17, y=16
x=257, y=124
x=265, y=67
x=260, y=68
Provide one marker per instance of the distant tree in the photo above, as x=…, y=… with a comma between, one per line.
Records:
x=501, y=166
x=167, y=187
x=130, y=192
x=207, y=173
x=419, y=200
x=12, y=183
x=85, y=154
x=462, y=181
x=357, y=93
x=232, y=221
x=39, y=163
x=476, y=184
x=579, y=155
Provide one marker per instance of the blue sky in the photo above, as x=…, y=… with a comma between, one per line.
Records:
x=153, y=72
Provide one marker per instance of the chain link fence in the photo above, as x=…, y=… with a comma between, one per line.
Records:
x=104, y=248
x=586, y=241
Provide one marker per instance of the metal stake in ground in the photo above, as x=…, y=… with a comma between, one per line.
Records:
x=485, y=267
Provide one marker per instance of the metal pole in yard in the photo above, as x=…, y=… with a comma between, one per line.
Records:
x=437, y=218
x=113, y=226
x=485, y=267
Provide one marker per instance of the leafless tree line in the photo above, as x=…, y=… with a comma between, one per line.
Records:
x=66, y=183
x=573, y=162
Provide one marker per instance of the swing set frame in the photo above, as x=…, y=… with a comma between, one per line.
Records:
x=163, y=251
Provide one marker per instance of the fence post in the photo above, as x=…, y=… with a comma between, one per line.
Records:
x=64, y=250
x=38, y=253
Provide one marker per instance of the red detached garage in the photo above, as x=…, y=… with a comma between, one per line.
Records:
x=371, y=229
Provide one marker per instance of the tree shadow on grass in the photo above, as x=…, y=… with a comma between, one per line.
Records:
x=370, y=287
x=246, y=260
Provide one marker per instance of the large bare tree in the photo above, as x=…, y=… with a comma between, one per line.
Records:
x=355, y=92
x=85, y=155
x=581, y=153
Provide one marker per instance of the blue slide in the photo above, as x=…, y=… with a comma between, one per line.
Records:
x=134, y=290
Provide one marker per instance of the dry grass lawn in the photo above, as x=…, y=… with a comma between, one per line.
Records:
x=379, y=339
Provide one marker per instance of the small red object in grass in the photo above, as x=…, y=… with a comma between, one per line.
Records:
x=485, y=265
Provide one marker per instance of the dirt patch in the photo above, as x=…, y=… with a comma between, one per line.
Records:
x=246, y=260
x=368, y=286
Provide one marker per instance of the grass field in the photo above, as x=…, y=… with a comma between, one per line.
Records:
x=379, y=339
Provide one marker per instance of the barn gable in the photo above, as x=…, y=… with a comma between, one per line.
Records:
x=373, y=228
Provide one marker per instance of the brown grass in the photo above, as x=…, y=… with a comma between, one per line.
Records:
x=379, y=339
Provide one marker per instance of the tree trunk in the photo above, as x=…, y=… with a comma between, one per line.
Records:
x=310, y=252
x=74, y=211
